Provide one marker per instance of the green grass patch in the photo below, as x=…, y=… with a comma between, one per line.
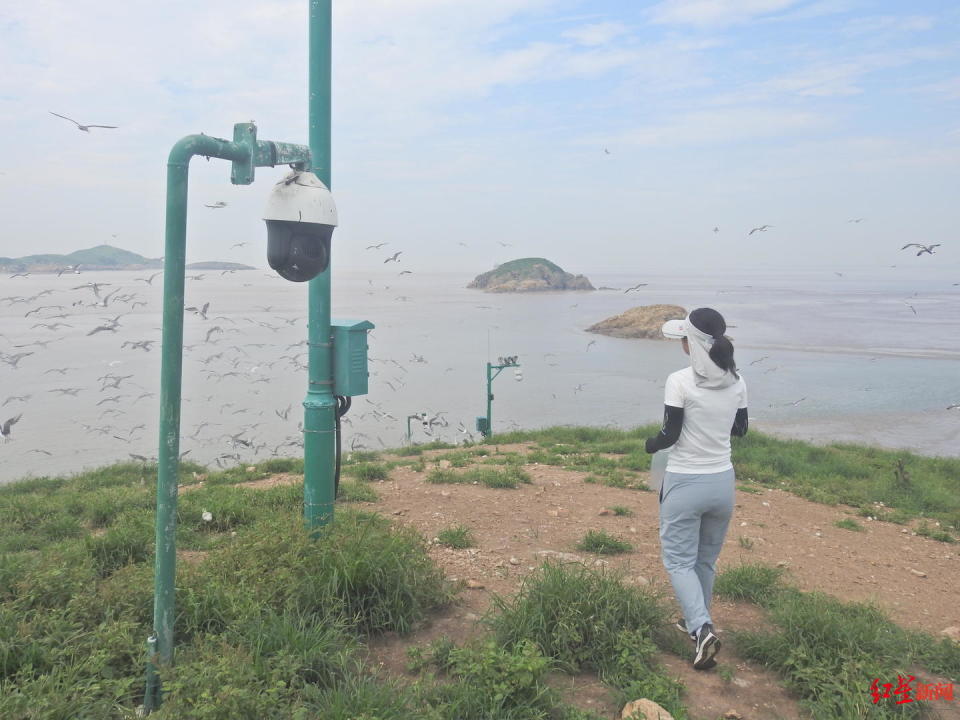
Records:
x=351, y=491
x=457, y=537
x=508, y=477
x=849, y=524
x=367, y=471
x=829, y=651
x=934, y=533
x=587, y=620
x=621, y=510
x=599, y=541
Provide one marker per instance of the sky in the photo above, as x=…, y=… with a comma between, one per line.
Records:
x=606, y=136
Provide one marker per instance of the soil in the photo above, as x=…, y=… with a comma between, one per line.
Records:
x=913, y=579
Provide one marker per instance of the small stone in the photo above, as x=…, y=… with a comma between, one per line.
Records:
x=743, y=524
x=740, y=682
x=251, y=468
x=905, y=531
x=782, y=563
x=398, y=512
x=732, y=715
x=644, y=709
x=818, y=533
x=444, y=493
x=765, y=504
x=475, y=585
x=639, y=580
x=514, y=561
x=918, y=573
x=952, y=632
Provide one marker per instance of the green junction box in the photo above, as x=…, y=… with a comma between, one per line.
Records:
x=350, y=366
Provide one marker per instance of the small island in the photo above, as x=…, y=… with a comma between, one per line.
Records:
x=644, y=321
x=102, y=257
x=529, y=275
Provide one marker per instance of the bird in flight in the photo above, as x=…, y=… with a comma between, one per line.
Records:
x=635, y=287
x=148, y=280
x=377, y=246
x=855, y=220
x=393, y=258
x=716, y=229
x=761, y=228
x=503, y=244
x=5, y=428
x=217, y=205
x=607, y=152
x=240, y=244
x=928, y=249
x=84, y=128
x=592, y=342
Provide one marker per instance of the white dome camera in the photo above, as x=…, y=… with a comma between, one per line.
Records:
x=300, y=217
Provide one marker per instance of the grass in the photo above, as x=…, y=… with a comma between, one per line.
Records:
x=849, y=524
x=828, y=651
x=367, y=471
x=508, y=477
x=457, y=537
x=907, y=485
x=621, y=510
x=600, y=542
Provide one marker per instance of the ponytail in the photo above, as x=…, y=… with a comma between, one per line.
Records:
x=721, y=352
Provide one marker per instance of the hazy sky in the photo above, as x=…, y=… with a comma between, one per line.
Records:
x=477, y=121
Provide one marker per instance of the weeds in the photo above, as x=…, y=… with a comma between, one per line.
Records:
x=849, y=524
x=457, y=537
x=598, y=541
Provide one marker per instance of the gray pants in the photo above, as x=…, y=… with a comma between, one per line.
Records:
x=695, y=511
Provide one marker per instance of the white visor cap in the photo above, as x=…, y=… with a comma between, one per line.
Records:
x=674, y=329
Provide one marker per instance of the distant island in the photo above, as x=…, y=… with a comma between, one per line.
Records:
x=102, y=257
x=644, y=321
x=529, y=275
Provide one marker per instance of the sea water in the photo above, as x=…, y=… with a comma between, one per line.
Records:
x=871, y=356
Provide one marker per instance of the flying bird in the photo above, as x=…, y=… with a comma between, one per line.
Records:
x=377, y=246
x=217, y=205
x=83, y=128
x=635, y=287
x=761, y=228
x=606, y=152
x=592, y=342
x=148, y=280
x=716, y=229
x=928, y=249
x=5, y=428
x=393, y=258
x=855, y=220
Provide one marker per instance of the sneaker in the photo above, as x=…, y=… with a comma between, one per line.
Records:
x=681, y=625
x=707, y=646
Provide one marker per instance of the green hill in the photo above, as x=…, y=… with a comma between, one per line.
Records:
x=102, y=257
x=529, y=275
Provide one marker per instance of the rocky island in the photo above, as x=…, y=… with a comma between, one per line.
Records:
x=529, y=275
x=644, y=321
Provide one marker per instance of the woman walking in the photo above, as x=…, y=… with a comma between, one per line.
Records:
x=705, y=404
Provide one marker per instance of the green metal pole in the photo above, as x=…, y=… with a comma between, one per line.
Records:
x=171, y=371
x=489, y=401
x=319, y=422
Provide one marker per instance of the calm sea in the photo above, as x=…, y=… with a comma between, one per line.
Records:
x=870, y=356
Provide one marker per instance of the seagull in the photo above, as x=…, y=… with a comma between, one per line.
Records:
x=66, y=391
x=148, y=280
x=606, y=152
x=240, y=244
x=393, y=257
x=23, y=274
x=83, y=128
x=635, y=287
x=760, y=360
x=20, y=398
x=201, y=311
x=928, y=249
x=716, y=229
x=503, y=244
x=93, y=286
x=761, y=228
x=377, y=246
x=592, y=342
x=142, y=344
x=13, y=360
x=406, y=272
x=5, y=428
x=955, y=406
x=855, y=220
x=217, y=205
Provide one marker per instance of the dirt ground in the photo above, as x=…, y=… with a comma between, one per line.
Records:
x=912, y=578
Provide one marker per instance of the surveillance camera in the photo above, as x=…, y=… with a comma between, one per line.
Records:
x=300, y=219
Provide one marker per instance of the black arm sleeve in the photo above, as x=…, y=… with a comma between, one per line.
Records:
x=740, y=423
x=670, y=432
